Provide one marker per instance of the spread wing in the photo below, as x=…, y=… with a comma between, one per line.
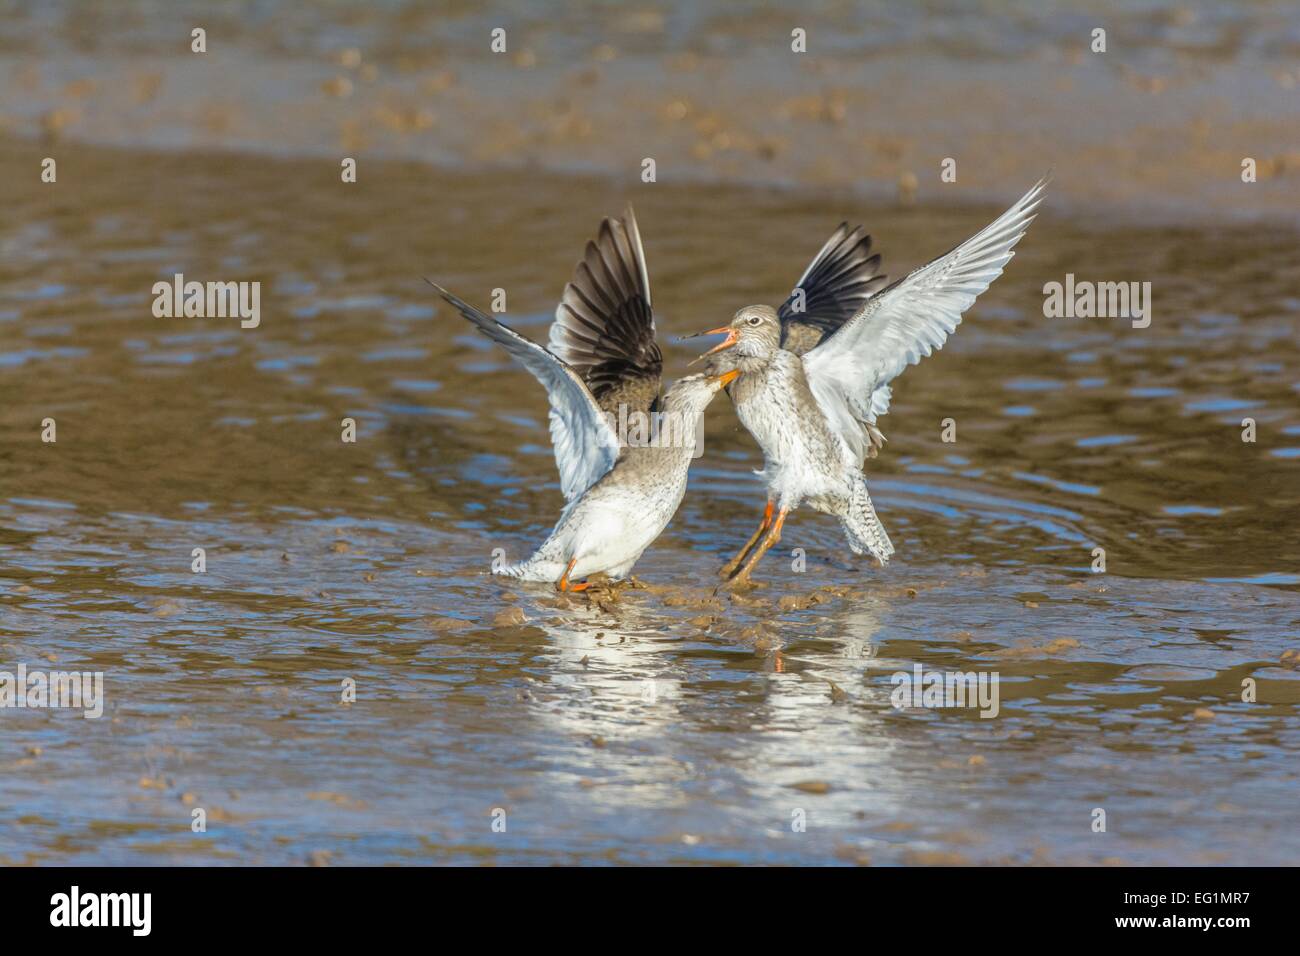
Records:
x=850, y=371
x=837, y=283
x=586, y=445
x=604, y=327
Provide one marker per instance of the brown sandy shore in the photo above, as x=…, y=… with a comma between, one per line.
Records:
x=1154, y=128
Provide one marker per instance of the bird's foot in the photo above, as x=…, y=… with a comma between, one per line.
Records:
x=730, y=568
x=564, y=585
x=740, y=579
x=600, y=581
x=738, y=582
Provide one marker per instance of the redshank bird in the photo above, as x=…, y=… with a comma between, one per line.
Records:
x=602, y=369
x=815, y=382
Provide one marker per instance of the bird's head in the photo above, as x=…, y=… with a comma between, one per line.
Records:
x=754, y=332
x=691, y=394
x=682, y=422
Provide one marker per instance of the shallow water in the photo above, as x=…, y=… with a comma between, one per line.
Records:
x=668, y=725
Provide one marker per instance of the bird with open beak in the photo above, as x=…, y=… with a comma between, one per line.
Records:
x=815, y=374
x=603, y=366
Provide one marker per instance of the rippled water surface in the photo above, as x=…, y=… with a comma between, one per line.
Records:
x=666, y=723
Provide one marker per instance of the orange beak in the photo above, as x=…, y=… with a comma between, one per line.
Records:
x=726, y=343
x=726, y=378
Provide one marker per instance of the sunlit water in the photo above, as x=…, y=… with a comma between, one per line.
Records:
x=669, y=724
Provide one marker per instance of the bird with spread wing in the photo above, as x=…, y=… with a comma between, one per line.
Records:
x=603, y=367
x=815, y=374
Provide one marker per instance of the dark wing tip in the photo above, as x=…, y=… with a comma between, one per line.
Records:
x=840, y=279
x=604, y=326
x=451, y=297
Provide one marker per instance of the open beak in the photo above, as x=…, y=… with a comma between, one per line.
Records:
x=728, y=342
x=726, y=378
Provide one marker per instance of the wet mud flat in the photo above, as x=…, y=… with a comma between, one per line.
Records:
x=1155, y=125
x=655, y=723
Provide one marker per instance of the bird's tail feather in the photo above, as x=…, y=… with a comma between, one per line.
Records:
x=536, y=568
x=863, y=527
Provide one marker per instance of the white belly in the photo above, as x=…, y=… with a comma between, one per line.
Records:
x=606, y=531
x=801, y=458
x=611, y=538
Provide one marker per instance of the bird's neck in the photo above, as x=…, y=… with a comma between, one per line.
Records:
x=754, y=363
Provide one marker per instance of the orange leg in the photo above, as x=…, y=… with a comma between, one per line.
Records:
x=773, y=536
x=729, y=568
x=564, y=584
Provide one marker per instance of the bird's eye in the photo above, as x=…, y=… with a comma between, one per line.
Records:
x=754, y=320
